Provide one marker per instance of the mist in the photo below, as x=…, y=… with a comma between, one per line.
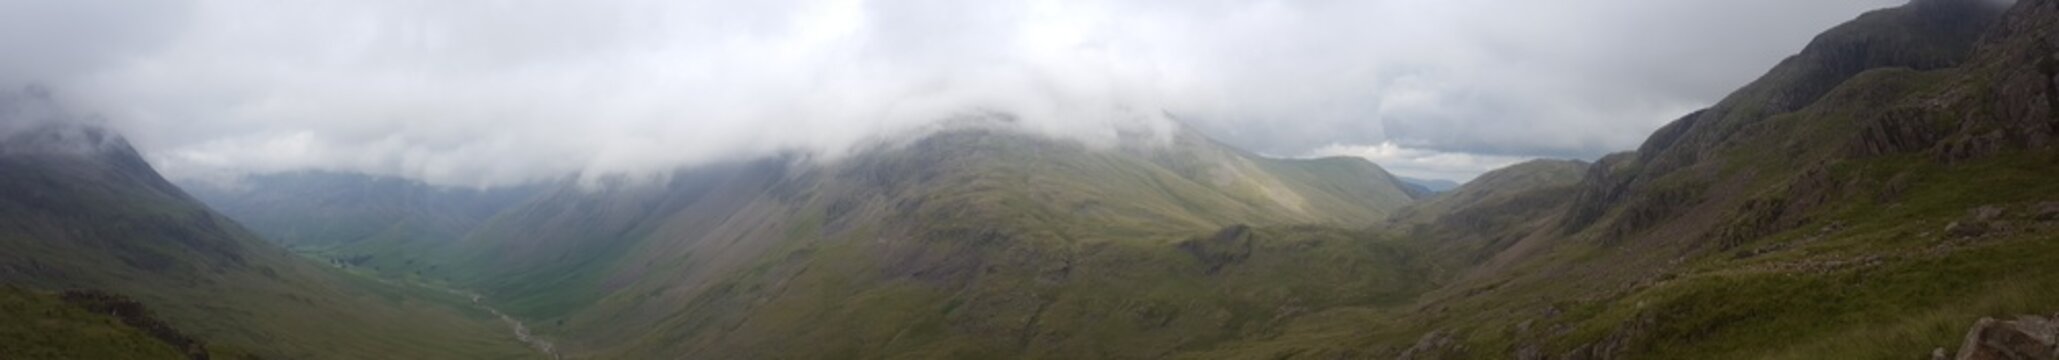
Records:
x=489, y=93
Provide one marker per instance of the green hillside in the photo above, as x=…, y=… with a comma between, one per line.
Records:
x=44, y=326
x=1869, y=197
x=81, y=210
x=952, y=234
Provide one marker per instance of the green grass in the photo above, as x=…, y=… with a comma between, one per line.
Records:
x=40, y=326
x=112, y=226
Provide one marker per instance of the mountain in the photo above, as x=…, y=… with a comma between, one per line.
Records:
x=1870, y=197
x=1490, y=213
x=1493, y=188
x=1867, y=198
x=380, y=223
x=976, y=241
x=1430, y=186
x=82, y=213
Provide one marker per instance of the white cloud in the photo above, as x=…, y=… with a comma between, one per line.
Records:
x=1422, y=163
x=494, y=92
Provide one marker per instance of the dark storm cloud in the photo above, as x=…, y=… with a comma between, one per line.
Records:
x=497, y=92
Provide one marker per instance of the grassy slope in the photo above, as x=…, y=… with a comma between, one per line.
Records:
x=106, y=221
x=40, y=326
x=1750, y=230
x=977, y=218
x=1799, y=246
x=1494, y=188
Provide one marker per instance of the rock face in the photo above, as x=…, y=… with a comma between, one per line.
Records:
x=2027, y=337
x=1228, y=246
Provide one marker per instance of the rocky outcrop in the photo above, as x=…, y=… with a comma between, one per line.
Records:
x=1979, y=221
x=2026, y=338
x=1900, y=130
x=1618, y=342
x=1229, y=246
x=1605, y=184
x=1666, y=175
x=2017, y=110
x=1434, y=345
x=135, y=315
x=2046, y=211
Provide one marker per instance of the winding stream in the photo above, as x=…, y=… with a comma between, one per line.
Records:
x=521, y=331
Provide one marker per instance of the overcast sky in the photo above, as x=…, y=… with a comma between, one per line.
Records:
x=496, y=92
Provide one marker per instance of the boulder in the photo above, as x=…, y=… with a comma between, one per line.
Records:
x=1965, y=229
x=1977, y=222
x=2027, y=337
x=2046, y=211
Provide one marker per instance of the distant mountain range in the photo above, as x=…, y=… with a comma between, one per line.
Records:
x=1870, y=197
x=383, y=224
x=1429, y=185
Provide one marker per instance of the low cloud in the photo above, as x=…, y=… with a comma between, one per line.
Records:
x=482, y=93
x=1423, y=163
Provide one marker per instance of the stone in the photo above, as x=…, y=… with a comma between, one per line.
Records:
x=1437, y=344
x=1965, y=229
x=2046, y=211
x=1986, y=213
x=2027, y=337
x=1979, y=221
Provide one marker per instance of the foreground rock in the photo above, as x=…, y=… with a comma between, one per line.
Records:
x=2027, y=337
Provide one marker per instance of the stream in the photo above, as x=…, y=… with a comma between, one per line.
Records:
x=521, y=331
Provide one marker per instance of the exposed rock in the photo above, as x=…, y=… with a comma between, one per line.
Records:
x=1979, y=221
x=1986, y=214
x=1965, y=230
x=1530, y=351
x=1904, y=129
x=2046, y=211
x=1435, y=345
x=2027, y=337
x=1229, y=246
x=1617, y=342
x=134, y=314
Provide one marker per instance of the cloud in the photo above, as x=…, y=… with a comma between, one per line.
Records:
x=1422, y=163
x=497, y=92
x=58, y=39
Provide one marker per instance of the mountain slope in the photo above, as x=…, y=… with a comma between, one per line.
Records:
x=1483, y=217
x=953, y=235
x=1868, y=198
x=43, y=326
x=383, y=224
x=81, y=210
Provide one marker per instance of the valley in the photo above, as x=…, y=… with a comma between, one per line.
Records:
x=1888, y=192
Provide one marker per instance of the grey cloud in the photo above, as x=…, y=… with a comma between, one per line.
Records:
x=497, y=92
x=57, y=39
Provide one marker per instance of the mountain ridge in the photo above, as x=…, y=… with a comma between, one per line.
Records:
x=1867, y=197
x=82, y=210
